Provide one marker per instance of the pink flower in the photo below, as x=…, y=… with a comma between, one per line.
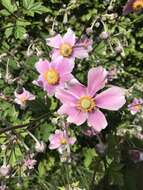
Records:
x=53, y=75
x=67, y=47
x=135, y=106
x=60, y=139
x=22, y=97
x=132, y=5
x=90, y=132
x=30, y=163
x=82, y=103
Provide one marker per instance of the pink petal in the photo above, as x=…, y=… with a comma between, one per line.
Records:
x=77, y=117
x=42, y=66
x=69, y=37
x=55, y=53
x=78, y=90
x=50, y=89
x=72, y=140
x=63, y=65
x=96, y=79
x=111, y=99
x=74, y=115
x=55, y=41
x=80, y=52
x=97, y=120
x=66, y=97
x=65, y=78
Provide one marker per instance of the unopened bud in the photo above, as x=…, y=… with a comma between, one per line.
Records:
x=26, y=36
x=29, y=53
x=118, y=49
x=40, y=146
x=89, y=30
x=104, y=35
x=4, y=170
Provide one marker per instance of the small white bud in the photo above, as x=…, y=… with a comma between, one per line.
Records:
x=40, y=146
x=4, y=170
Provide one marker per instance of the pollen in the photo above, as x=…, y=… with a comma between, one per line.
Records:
x=66, y=50
x=138, y=5
x=23, y=99
x=52, y=76
x=63, y=141
x=86, y=104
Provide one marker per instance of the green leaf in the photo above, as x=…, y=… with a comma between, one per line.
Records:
x=32, y=7
x=9, y=6
x=89, y=155
x=9, y=30
x=19, y=32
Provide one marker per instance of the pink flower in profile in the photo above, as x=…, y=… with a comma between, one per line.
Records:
x=82, y=103
x=53, y=75
x=90, y=132
x=59, y=140
x=22, y=97
x=135, y=106
x=30, y=163
x=67, y=47
x=133, y=6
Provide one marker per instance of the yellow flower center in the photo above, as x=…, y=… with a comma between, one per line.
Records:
x=138, y=107
x=63, y=141
x=52, y=76
x=137, y=5
x=23, y=99
x=66, y=50
x=86, y=104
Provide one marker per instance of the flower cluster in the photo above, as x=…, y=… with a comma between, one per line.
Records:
x=79, y=103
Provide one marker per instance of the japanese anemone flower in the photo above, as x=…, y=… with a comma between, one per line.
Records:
x=23, y=97
x=59, y=140
x=136, y=106
x=132, y=5
x=82, y=103
x=53, y=75
x=67, y=47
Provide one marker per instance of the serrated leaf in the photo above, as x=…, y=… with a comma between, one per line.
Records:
x=19, y=32
x=9, y=6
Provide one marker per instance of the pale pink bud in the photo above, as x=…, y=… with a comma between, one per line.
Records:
x=40, y=146
x=118, y=49
x=4, y=170
x=104, y=35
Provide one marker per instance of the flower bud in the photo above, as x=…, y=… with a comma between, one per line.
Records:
x=19, y=90
x=26, y=36
x=118, y=49
x=4, y=170
x=40, y=146
x=104, y=35
x=29, y=53
x=97, y=24
x=89, y=30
